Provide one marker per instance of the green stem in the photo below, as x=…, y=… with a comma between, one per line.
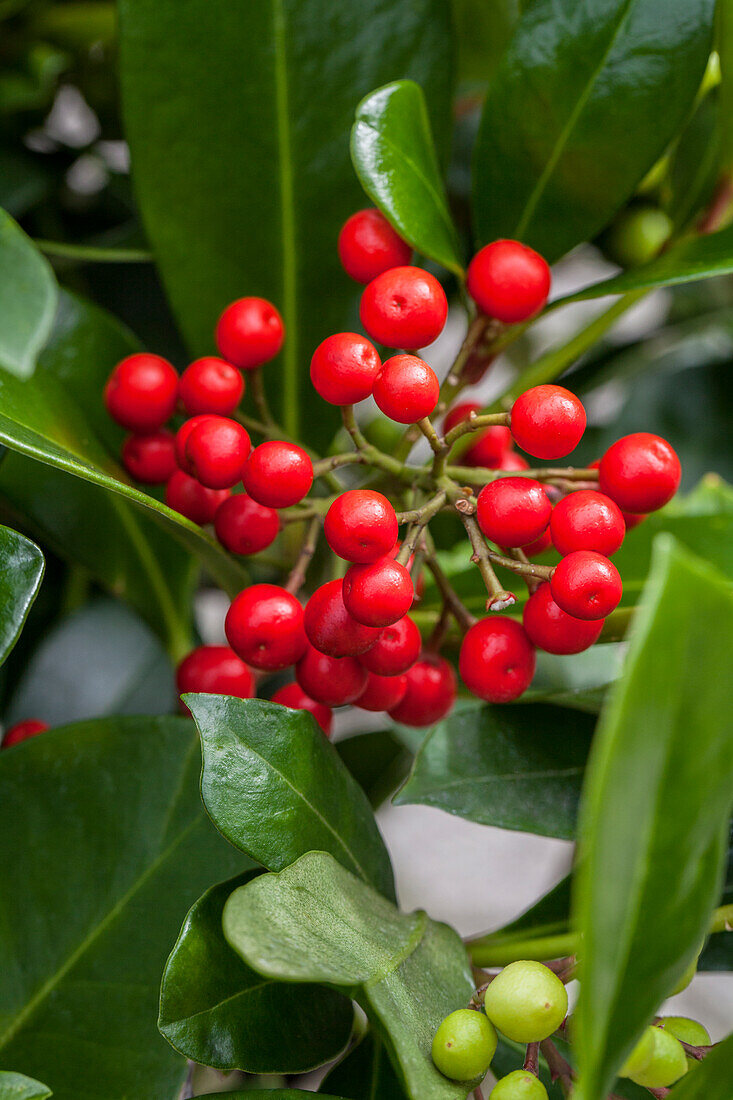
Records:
x=91, y=254
x=257, y=389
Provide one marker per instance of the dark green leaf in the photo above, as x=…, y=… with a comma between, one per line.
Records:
x=104, y=844
x=377, y=761
x=710, y=1080
x=14, y=1086
x=21, y=572
x=510, y=1057
x=366, y=1073
x=316, y=922
x=656, y=808
x=276, y=788
x=273, y=150
x=515, y=767
x=394, y=157
x=28, y=295
x=482, y=29
x=586, y=99
x=267, y=1094
x=217, y=1011
x=695, y=164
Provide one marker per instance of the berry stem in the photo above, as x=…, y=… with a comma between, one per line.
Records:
x=532, y=1059
x=425, y=512
x=499, y=598
x=373, y=456
x=324, y=465
x=360, y=441
x=697, y=1052
x=475, y=423
x=560, y=1068
x=451, y=599
x=257, y=389
x=426, y=427
x=422, y=517
x=297, y=575
x=522, y=568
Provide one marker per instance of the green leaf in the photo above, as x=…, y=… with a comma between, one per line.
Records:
x=483, y=29
x=585, y=101
x=711, y=1078
x=217, y=1011
x=28, y=295
x=104, y=844
x=275, y=787
x=267, y=1094
x=14, y=1086
x=394, y=157
x=273, y=151
x=377, y=761
x=21, y=573
x=656, y=807
x=316, y=922
x=695, y=166
x=513, y=767
x=366, y=1073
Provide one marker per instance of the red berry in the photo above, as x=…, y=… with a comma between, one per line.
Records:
x=343, y=368
x=329, y=626
x=513, y=511
x=632, y=519
x=181, y=438
x=548, y=421
x=141, y=392
x=458, y=414
x=293, y=696
x=216, y=451
x=382, y=692
x=641, y=472
x=544, y=542
x=333, y=681
x=510, y=460
x=396, y=650
x=552, y=629
x=278, y=474
x=150, y=459
x=586, y=585
x=193, y=500
x=215, y=670
x=250, y=332
x=587, y=520
x=264, y=625
x=243, y=526
x=508, y=281
x=490, y=448
x=404, y=307
x=21, y=731
x=497, y=659
x=211, y=385
x=430, y=693
x=406, y=389
x=378, y=593
x=368, y=245
x=361, y=525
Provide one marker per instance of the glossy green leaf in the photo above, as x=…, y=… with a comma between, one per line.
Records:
x=711, y=1078
x=514, y=767
x=365, y=1073
x=21, y=573
x=695, y=166
x=317, y=922
x=586, y=99
x=275, y=787
x=217, y=1011
x=104, y=844
x=656, y=808
x=394, y=157
x=14, y=1086
x=254, y=204
x=483, y=29
x=377, y=761
x=28, y=295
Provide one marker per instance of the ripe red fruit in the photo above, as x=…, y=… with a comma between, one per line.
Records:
x=361, y=525
x=552, y=629
x=490, y=445
x=293, y=696
x=547, y=421
x=404, y=307
x=21, y=731
x=368, y=245
x=497, y=659
x=181, y=438
x=343, y=368
x=458, y=414
x=215, y=670
x=379, y=593
x=264, y=625
x=632, y=519
x=243, y=526
x=141, y=392
x=586, y=585
x=382, y=692
x=333, y=681
x=211, y=385
x=510, y=460
x=396, y=650
x=151, y=458
x=508, y=281
x=544, y=542
x=250, y=332
x=278, y=474
x=193, y=500
x=587, y=520
x=641, y=472
x=216, y=451
x=430, y=693
x=406, y=389
x=329, y=626
x=513, y=511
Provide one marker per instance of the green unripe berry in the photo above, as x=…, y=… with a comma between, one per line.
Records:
x=637, y=235
x=641, y=1056
x=464, y=1045
x=688, y=1031
x=519, y=1085
x=667, y=1065
x=526, y=1001
x=689, y=974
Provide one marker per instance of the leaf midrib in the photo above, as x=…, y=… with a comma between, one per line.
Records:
x=518, y=777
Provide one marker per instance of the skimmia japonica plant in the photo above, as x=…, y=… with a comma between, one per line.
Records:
x=371, y=450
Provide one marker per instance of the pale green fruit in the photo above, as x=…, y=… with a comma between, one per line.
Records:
x=689, y=974
x=668, y=1063
x=637, y=235
x=464, y=1045
x=640, y=1056
x=688, y=1031
x=526, y=1001
x=519, y=1085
